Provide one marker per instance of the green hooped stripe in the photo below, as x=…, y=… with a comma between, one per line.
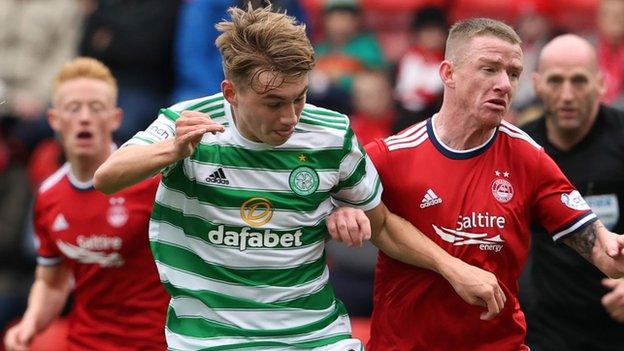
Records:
x=188, y=261
x=275, y=160
x=320, y=300
x=206, y=101
x=199, y=228
x=202, y=328
x=234, y=198
x=358, y=174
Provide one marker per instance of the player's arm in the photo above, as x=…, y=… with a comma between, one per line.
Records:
x=47, y=298
x=133, y=163
x=400, y=240
x=602, y=248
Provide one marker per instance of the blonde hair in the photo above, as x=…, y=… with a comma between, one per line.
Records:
x=259, y=40
x=463, y=32
x=84, y=67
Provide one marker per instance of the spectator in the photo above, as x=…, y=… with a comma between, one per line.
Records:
x=420, y=98
x=135, y=39
x=197, y=61
x=36, y=38
x=345, y=50
x=374, y=110
x=610, y=44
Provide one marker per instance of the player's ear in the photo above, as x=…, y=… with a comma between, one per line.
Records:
x=446, y=70
x=53, y=119
x=229, y=91
x=116, y=119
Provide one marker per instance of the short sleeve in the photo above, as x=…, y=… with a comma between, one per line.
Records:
x=47, y=251
x=558, y=206
x=358, y=184
x=161, y=129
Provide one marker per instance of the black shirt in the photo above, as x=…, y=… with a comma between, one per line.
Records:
x=564, y=311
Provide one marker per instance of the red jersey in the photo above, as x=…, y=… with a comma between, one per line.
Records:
x=477, y=205
x=119, y=302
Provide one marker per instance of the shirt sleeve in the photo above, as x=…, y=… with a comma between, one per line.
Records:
x=358, y=183
x=48, y=253
x=558, y=206
x=161, y=129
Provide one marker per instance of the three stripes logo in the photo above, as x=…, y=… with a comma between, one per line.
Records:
x=430, y=199
x=218, y=177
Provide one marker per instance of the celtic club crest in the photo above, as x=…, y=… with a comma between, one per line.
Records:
x=303, y=180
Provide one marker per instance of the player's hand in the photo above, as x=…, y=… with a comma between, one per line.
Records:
x=19, y=337
x=476, y=286
x=613, y=301
x=190, y=128
x=349, y=225
x=608, y=253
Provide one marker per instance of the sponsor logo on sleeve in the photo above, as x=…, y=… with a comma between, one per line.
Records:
x=575, y=201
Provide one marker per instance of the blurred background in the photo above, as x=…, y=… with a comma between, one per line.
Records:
x=377, y=61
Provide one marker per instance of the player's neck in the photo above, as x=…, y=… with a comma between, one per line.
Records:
x=460, y=134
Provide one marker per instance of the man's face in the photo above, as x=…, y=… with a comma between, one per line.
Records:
x=84, y=115
x=268, y=117
x=570, y=88
x=486, y=77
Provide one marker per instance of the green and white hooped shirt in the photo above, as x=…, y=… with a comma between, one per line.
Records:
x=238, y=231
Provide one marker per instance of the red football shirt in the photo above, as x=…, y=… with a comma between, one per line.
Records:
x=119, y=302
x=478, y=205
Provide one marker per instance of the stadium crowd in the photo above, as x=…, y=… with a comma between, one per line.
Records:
x=377, y=61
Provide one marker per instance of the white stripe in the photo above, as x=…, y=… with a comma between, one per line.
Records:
x=433, y=195
x=54, y=178
x=222, y=255
x=409, y=145
x=427, y=197
x=212, y=104
x=48, y=261
x=247, y=318
x=349, y=163
x=574, y=227
x=409, y=131
x=253, y=178
x=262, y=294
x=519, y=134
x=281, y=220
x=361, y=191
x=180, y=342
x=407, y=138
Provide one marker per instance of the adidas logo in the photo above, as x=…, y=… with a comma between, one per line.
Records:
x=430, y=199
x=60, y=223
x=218, y=177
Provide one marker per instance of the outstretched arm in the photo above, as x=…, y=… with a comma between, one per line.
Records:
x=133, y=163
x=400, y=240
x=602, y=248
x=45, y=302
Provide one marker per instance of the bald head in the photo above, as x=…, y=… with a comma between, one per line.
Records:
x=568, y=50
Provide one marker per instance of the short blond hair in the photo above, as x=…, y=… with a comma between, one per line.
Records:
x=85, y=67
x=464, y=31
x=260, y=40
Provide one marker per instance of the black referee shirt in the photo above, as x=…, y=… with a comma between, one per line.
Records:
x=561, y=290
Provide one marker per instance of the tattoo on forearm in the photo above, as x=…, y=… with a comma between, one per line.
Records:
x=583, y=241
